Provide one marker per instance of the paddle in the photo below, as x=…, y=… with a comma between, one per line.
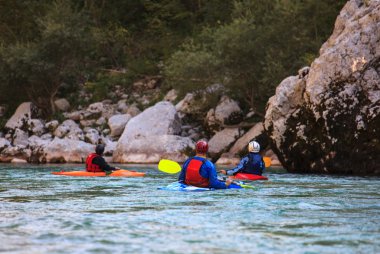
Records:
x=168, y=166
x=172, y=167
x=267, y=161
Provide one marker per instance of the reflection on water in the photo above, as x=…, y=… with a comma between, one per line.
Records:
x=44, y=213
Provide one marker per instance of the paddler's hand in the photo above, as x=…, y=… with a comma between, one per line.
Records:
x=228, y=182
x=224, y=172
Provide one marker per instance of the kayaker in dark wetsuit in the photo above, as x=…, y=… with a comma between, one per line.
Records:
x=96, y=163
x=253, y=163
x=200, y=172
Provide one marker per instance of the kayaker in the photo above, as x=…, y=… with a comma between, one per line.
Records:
x=200, y=172
x=96, y=163
x=252, y=163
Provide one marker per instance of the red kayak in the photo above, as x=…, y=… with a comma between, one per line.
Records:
x=251, y=177
x=117, y=173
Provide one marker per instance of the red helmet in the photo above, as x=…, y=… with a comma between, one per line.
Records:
x=201, y=146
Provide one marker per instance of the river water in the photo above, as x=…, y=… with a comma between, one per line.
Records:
x=44, y=213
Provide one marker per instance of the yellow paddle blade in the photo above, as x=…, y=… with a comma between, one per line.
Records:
x=168, y=166
x=267, y=161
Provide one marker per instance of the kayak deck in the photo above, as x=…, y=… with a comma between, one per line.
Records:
x=250, y=177
x=117, y=173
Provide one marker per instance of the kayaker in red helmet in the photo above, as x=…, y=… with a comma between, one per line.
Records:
x=253, y=163
x=200, y=172
x=96, y=163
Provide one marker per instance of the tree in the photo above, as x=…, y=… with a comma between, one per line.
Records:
x=59, y=55
x=264, y=42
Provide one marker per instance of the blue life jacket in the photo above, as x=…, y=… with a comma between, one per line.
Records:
x=255, y=164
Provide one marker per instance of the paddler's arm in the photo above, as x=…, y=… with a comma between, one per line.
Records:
x=213, y=178
x=238, y=168
x=181, y=177
x=101, y=162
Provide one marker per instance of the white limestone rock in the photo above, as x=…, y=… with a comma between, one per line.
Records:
x=66, y=150
x=21, y=116
x=117, y=124
x=152, y=134
x=222, y=140
x=242, y=142
x=62, y=105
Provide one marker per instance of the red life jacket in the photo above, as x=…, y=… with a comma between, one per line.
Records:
x=90, y=167
x=193, y=177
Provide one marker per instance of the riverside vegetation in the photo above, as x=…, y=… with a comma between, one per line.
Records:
x=89, y=69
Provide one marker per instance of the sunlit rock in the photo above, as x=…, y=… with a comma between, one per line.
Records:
x=222, y=140
x=152, y=135
x=66, y=150
x=117, y=124
x=326, y=119
x=242, y=143
x=23, y=113
x=62, y=105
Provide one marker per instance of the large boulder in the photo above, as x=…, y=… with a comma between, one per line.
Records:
x=12, y=152
x=326, y=119
x=186, y=105
x=62, y=104
x=36, y=127
x=23, y=113
x=66, y=150
x=152, y=134
x=4, y=143
x=92, y=136
x=152, y=149
x=69, y=129
x=224, y=113
x=117, y=124
x=225, y=108
x=222, y=140
x=20, y=138
x=234, y=154
x=37, y=142
x=242, y=143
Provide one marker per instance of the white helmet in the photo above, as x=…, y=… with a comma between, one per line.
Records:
x=253, y=147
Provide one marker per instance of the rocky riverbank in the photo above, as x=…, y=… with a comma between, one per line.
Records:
x=324, y=120
x=131, y=135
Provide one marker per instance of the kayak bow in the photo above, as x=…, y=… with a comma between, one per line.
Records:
x=117, y=173
x=250, y=177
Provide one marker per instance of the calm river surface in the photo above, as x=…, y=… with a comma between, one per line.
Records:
x=44, y=213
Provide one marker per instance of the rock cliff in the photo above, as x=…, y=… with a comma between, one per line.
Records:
x=327, y=119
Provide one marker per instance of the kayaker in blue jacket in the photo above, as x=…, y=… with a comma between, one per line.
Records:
x=200, y=172
x=252, y=163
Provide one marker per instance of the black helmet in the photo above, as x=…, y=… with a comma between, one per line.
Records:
x=99, y=149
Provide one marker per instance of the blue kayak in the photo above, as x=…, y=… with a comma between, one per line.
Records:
x=176, y=186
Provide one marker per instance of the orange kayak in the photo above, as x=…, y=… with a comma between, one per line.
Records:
x=117, y=173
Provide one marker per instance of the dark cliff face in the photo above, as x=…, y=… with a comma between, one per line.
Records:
x=327, y=120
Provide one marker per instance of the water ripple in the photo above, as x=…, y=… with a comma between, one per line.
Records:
x=44, y=213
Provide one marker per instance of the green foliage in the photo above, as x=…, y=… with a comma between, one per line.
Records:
x=58, y=55
x=247, y=45
x=3, y=121
x=265, y=42
x=58, y=116
x=105, y=82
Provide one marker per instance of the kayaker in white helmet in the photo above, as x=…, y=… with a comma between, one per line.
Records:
x=252, y=163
